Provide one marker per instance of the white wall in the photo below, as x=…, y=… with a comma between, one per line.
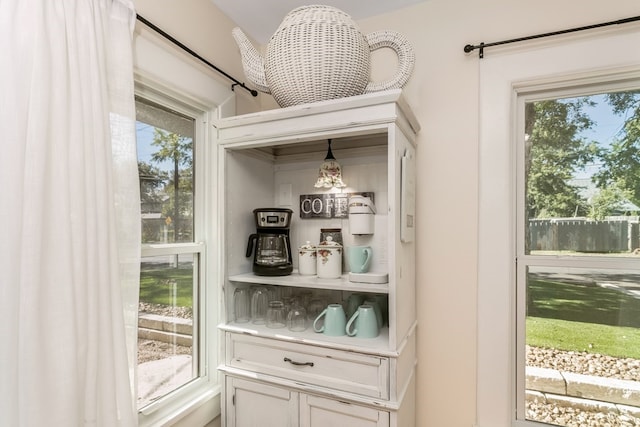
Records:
x=443, y=92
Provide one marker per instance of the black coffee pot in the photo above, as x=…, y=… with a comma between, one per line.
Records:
x=272, y=255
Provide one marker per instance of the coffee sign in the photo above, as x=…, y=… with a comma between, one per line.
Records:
x=333, y=205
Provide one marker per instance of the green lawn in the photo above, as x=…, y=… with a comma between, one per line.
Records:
x=579, y=336
x=583, y=317
x=167, y=286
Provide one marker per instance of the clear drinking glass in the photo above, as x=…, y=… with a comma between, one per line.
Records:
x=259, y=304
x=315, y=307
x=242, y=305
x=297, y=318
x=276, y=315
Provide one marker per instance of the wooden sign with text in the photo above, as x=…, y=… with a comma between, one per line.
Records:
x=332, y=205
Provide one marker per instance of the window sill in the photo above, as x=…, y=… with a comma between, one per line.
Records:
x=197, y=408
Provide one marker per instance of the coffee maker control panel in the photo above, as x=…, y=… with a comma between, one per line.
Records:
x=273, y=218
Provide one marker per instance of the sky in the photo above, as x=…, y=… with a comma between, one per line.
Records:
x=608, y=124
x=606, y=128
x=144, y=136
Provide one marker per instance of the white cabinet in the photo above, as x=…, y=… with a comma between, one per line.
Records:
x=270, y=159
x=318, y=411
x=251, y=404
x=254, y=404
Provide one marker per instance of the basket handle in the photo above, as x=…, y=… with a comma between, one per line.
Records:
x=406, y=58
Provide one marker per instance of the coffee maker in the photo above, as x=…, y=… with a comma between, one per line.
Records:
x=272, y=255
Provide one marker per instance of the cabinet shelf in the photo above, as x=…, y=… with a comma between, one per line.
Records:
x=312, y=282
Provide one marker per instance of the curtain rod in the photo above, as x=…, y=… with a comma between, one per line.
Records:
x=470, y=48
x=194, y=54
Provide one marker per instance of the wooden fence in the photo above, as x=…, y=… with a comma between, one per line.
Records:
x=614, y=234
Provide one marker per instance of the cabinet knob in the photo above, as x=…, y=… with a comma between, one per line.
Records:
x=293, y=362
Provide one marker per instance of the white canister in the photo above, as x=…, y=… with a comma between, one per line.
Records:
x=361, y=212
x=329, y=259
x=307, y=259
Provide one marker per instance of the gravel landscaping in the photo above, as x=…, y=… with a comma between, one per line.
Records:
x=587, y=364
x=584, y=363
x=149, y=350
x=166, y=310
x=575, y=417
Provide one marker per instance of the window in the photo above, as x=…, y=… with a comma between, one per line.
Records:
x=578, y=273
x=170, y=276
x=555, y=68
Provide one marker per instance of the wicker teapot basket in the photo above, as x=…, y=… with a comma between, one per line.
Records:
x=318, y=53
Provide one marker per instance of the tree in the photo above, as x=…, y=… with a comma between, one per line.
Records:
x=152, y=195
x=178, y=149
x=151, y=182
x=621, y=163
x=606, y=201
x=554, y=151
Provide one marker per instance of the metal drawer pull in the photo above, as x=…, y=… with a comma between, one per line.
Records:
x=293, y=362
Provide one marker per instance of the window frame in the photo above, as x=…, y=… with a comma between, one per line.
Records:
x=201, y=326
x=567, y=61
x=160, y=73
x=531, y=93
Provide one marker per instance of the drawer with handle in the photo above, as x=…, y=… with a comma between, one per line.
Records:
x=363, y=374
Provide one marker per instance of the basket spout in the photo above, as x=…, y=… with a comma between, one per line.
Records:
x=252, y=61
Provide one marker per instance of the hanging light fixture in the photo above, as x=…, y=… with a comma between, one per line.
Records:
x=330, y=173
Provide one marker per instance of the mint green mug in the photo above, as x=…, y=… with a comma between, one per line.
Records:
x=359, y=258
x=334, y=321
x=376, y=309
x=363, y=323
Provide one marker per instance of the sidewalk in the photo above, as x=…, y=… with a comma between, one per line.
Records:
x=583, y=391
x=159, y=377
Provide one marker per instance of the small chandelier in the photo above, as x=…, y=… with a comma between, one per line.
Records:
x=330, y=173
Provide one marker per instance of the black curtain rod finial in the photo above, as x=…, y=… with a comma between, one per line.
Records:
x=251, y=91
x=470, y=48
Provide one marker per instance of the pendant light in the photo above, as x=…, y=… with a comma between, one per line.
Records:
x=330, y=173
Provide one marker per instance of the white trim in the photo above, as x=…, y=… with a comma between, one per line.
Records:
x=172, y=249
x=160, y=66
x=597, y=55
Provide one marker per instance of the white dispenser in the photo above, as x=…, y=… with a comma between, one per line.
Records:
x=361, y=212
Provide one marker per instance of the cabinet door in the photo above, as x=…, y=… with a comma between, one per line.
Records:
x=321, y=412
x=251, y=404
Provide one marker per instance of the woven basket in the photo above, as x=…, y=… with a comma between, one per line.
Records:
x=316, y=54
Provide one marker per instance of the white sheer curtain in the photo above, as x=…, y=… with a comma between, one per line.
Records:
x=69, y=213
